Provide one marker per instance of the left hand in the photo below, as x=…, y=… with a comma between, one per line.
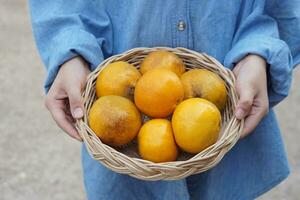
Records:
x=251, y=86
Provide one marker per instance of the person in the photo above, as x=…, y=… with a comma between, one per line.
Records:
x=73, y=37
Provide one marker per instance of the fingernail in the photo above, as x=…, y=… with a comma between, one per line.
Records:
x=78, y=113
x=239, y=113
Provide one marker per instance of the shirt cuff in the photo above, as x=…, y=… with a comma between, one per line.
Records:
x=69, y=44
x=277, y=55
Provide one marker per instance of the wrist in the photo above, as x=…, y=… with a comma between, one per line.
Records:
x=74, y=65
x=77, y=60
x=257, y=59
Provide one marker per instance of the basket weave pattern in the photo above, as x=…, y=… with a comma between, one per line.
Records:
x=127, y=161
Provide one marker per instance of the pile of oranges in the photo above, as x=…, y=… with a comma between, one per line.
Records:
x=184, y=107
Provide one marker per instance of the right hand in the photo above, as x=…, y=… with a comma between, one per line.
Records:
x=64, y=99
x=251, y=85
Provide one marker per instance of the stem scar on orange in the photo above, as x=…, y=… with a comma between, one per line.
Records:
x=204, y=84
x=118, y=78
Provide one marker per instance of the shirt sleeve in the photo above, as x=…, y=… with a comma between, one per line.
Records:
x=64, y=29
x=258, y=34
x=287, y=15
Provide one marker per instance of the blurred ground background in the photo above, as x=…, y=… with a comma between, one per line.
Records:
x=38, y=161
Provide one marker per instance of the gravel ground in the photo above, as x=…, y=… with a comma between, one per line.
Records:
x=37, y=160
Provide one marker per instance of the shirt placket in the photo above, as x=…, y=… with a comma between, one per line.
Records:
x=181, y=26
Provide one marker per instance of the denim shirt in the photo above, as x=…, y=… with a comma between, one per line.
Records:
x=225, y=29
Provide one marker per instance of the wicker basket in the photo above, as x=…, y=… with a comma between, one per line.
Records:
x=127, y=160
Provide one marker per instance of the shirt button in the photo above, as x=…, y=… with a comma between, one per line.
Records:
x=181, y=26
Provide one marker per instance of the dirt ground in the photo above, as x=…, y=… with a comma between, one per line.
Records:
x=38, y=161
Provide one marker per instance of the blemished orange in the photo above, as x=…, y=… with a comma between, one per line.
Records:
x=156, y=141
x=162, y=59
x=115, y=120
x=118, y=78
x=205, y=84
x=158, y=92
x=196, y=124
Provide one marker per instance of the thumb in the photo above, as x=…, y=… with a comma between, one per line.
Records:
x=244, y=105
x=76, y=103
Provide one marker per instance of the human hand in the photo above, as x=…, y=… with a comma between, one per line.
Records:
x=64, y=99
x=251, y=86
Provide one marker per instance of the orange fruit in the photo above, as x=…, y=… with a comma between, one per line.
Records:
x=115, y=120
x=158, y=92
x=162, y=59
x=156, y=141
x=196, y=124
x=118, y=78
x=204, y=84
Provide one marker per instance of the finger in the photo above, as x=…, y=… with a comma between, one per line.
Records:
x=236, y=69
x=70, y=118
x=252, y=121
x=246, y=96
x=76, y=102
x=61, y=120
x=67, y=111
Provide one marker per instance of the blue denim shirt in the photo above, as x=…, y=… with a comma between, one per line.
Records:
x=227, y=30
